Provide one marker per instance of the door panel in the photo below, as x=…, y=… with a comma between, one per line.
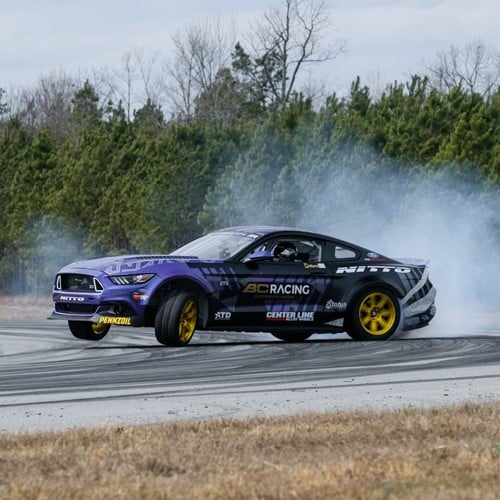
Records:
x=272, y=292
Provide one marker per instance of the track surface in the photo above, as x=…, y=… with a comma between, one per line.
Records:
x=48, y=380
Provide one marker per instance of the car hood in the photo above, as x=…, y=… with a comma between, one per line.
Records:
x=124, y=263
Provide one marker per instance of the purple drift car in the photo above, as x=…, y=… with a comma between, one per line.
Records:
x=288, y=282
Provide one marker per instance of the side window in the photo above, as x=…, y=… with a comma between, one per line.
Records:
x=300, y=250
x=303, y=250
x=344, y=253
x=334, y=251
x=313, y=250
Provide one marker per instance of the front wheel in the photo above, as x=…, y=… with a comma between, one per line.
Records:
x=88, y=331
x=176, y=319
x=292, y=337
x=375, y=315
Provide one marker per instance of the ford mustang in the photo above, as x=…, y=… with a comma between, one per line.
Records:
x=287, y=282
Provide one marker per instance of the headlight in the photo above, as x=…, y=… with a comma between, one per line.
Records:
x=131, y=279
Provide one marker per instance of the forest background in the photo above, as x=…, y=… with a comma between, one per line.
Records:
x=151, y=156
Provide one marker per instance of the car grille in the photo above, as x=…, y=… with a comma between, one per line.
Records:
x=75, y=308
x=78, y=283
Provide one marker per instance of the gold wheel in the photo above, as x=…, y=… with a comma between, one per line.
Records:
x=99, y=328
x=187, y=320
x=377, y=313
x=177, y=318
x=88, y=331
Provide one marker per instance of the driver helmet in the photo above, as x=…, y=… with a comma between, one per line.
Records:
x=285, y=251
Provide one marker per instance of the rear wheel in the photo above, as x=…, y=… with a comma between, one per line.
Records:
x=292, y=337
x=88, y=331
x=176, y=319
x=375, y=315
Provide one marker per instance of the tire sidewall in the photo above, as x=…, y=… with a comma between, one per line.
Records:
x=168, y=318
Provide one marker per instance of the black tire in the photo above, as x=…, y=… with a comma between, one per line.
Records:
x=292, y=337
x=88, y=331
x=176, y=318
x=375, y=315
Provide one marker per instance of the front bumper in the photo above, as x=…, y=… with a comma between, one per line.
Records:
x=103, y=315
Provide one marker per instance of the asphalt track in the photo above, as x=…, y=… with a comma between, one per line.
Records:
x=51, y=381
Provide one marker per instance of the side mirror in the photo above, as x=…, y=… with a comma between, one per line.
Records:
x=259, y=256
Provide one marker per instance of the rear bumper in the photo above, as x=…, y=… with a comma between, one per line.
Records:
x=421, y=312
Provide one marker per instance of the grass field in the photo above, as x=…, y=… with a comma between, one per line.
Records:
x=412, y=453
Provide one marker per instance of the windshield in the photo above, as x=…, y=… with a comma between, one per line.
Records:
x=218, y=245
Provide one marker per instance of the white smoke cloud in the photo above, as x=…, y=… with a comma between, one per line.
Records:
x=53, y=244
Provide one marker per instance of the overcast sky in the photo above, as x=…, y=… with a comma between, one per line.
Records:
x=386, y=39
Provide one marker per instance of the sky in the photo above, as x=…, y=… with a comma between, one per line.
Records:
x=386, y=40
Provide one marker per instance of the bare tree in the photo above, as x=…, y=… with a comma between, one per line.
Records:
x=4, y=107
x=133, y=82
x=47, y=104
x=200, y=52
x=291, y=35
x=476, y=68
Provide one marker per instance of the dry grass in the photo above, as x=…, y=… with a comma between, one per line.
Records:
x=442, y=453
x=24, y=308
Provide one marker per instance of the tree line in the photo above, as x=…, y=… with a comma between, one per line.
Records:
x=107, y=185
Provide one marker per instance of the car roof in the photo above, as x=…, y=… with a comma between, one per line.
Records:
x=290, y=231
x=265, y=230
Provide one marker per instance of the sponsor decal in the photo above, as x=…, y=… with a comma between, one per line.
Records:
x=134, y=265
x=278, y=289
x=372, y=255
x=319, y=265
x=331, y=305
x=289, y=316
x=69, y=298
x=372, y=269
x=115, y=320
x=222, y=316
